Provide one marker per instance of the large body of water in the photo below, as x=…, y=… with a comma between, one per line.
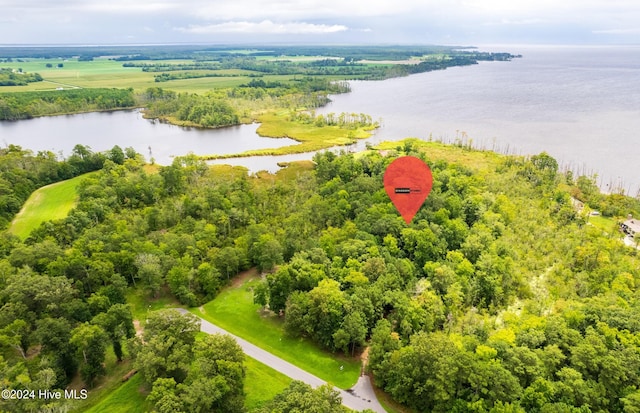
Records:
x=580, y=104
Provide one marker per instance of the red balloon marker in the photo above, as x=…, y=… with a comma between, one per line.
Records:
x=408, y=181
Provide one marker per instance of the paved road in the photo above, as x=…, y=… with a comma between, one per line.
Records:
x=359, y=397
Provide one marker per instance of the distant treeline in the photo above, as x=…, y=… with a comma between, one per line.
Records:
x=204, y=53
x=347, y=67
x=25, y=105
x=165, y=77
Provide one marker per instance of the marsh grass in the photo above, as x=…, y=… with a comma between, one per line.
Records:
x=311, y=137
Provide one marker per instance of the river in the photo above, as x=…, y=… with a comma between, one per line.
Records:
x=580, y=104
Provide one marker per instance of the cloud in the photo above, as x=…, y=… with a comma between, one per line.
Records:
x=298, y=10
x=631, y=31
x=509, y=22
x=407, y=21
x=263, y=27
x=125, y=7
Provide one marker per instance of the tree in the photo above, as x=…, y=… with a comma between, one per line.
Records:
x=227, y=261
x=261, y=294
x=215, y=382
x=163, y=396
x=269, y=252
x=325, y=312
x=116, y=155
x=426, y=374
x=168, y=337
x=149, y=269
x=300, y=397
x=351, y=333
x=55, y=334
x=16, y=336
x=90, y=341
x=383, y=343
x=117, y=322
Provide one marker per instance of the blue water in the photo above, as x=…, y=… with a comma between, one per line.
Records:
x=153, y=139
x=580, y=104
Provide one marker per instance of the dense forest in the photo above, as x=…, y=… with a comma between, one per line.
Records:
x=25, y=105
x=225, y=107
x=500, y=296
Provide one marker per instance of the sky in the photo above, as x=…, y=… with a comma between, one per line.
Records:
x=447, y=22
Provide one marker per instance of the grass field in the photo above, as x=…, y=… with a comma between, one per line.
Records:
x=261, y=383
x=127, y=398
x=607, y=225
x=45, y=204
x=235, y=311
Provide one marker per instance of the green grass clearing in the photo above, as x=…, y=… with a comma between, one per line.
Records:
x=105, y=386
x=235, y=311
x=261, y=383
x=129, y=397
x=142, y=303
x=48, y=203
x=605, y=224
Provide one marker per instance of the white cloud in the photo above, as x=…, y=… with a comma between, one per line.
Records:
x=427, y=21
x=523, y=22
x=264, y=27
x=126, y=6
x=291, y=10
x=631, y=31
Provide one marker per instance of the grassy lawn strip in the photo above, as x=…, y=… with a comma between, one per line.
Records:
x=606, y=225
x=109, y=388
x=235, y=311
x=311, y=137
x=262, y=383
x=126, y=398
x=48, y=203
